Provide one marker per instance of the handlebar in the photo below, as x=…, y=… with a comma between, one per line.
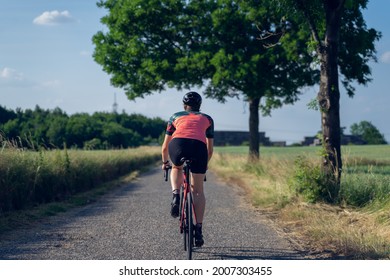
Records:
x=166, y=173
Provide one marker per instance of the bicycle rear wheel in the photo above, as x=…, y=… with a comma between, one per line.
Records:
x=190, y=227
x=185, y=223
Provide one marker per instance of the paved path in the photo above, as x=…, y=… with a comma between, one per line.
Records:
x=133, y=222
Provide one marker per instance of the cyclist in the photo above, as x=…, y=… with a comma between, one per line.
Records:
x=189, y=134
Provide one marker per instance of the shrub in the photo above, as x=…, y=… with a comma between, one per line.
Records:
x=312, y=183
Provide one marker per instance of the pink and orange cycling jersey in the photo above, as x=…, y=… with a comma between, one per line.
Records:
x=192, y=125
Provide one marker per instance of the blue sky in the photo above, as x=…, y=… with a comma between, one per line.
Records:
x=46, y=60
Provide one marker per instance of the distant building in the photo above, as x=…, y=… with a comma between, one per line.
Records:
x=278, y=143
x=345, y=140
x=352, y=140
x=311, y=141
x=237, y=138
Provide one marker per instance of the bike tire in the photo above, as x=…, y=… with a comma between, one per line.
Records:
x=190, y=226
x=181, y=200
x=185, y=226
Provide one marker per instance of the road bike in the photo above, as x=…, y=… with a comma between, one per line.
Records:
x=187, y=213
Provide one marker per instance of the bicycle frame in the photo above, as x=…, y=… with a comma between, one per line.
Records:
x=187, y=212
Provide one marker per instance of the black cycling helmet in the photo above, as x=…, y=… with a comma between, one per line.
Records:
x=192, y=99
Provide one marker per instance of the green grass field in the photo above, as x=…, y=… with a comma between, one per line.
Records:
x=379, y=152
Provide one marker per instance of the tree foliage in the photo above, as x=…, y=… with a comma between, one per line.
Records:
x=368, y=132
x=356, y=42
x=55, y=129
x=230, y=47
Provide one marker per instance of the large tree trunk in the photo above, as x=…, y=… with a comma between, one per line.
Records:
x=254, y=142
x=329, y=99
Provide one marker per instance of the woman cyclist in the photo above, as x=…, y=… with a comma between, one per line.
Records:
x=189, y=134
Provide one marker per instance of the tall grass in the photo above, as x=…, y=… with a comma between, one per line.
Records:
x=28, y=178
x=365, y=181
x=358, y=226
x=365, y=177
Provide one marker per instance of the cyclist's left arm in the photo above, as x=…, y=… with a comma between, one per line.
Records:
x=164, y=149
x=210, y=137
x=210, y=147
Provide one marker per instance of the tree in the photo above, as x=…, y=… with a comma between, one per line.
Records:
x=6, y=115
x=342, y=42
x=56, y=131
x=119, y=137
x=143, y=125
x=12, y=129
x=368, y=132
x=80, y=128
x=231, y=47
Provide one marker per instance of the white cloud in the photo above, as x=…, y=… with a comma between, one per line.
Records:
x=10, y=74
x=12, y=78
x=53, y=18
x=385, y=57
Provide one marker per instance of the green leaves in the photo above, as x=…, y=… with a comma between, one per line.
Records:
x=368, y=132
x=356, y=41
x=357, y=47
x=154, y=44
x=55, y=129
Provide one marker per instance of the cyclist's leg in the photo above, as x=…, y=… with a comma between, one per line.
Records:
x=176, y=178
x=198, y=196
x=175, y=149
x=199, y=200
x=175, y=153
x=176, y=182
x=198, y=170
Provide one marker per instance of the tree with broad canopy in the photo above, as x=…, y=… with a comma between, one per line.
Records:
x=242, y=49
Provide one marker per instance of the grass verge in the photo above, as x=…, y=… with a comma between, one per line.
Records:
x=356, y=228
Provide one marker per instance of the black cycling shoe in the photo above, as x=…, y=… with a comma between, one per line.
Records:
x=198, y=236
x=175, y=205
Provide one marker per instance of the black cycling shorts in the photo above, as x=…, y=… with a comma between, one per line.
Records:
x=191, y=149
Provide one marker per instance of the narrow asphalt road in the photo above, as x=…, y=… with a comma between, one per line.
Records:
x=133, y=222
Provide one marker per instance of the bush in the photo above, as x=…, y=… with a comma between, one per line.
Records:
x=312, y=183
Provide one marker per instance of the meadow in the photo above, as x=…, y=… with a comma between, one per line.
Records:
x=356, y=226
